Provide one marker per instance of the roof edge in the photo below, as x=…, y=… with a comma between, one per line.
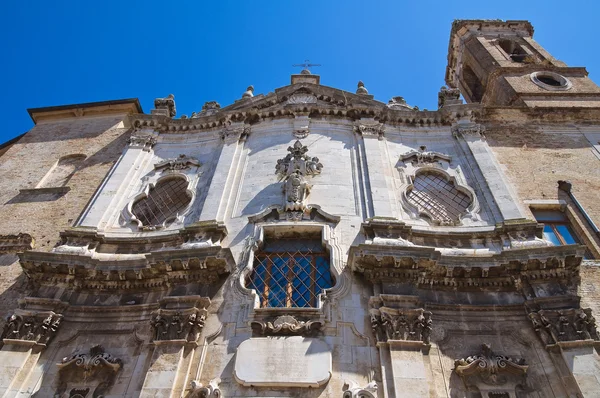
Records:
x=127, y=105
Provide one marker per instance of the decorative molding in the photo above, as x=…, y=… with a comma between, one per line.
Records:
x=354, y=390
x=286, y=325
x=468, y=129
x=146, y=142
x=370, y=129
x=211, y=390
x=92, y=362
x=38, y=328
x=293, y=170
x=423, y=156
x=557, y=326
x=182, y=162
x=489, y=368
x=401, y=324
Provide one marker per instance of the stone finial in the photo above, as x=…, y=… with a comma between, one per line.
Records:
x=448, y=96
x=398, y=103
x=249, y=93
x=165, y=106
x=361, y=90
x=305, y=72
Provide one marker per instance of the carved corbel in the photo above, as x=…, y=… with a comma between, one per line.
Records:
x=491, y=369
x=38, y=328
x=353, y=390
x=211, y=390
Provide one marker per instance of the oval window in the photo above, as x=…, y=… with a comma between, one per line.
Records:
x=163, y=204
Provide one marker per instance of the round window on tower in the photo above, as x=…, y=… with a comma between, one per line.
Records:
x=550, y=81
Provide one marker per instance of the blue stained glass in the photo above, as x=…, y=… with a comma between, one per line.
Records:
x=550, y=235
x=566, y=234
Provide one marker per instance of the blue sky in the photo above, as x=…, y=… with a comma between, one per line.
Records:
x=68, y=52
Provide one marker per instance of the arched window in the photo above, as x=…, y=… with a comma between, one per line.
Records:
x=513, y=50
x=62, y=171
x=163, y=204
x=437, y=198
x=290, y=272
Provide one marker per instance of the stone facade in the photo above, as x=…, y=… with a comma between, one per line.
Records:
x=312, y=242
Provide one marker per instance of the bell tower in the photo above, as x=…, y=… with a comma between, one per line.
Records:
x=498, y=63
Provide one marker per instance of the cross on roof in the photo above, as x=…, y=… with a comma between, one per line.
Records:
x=306, y=64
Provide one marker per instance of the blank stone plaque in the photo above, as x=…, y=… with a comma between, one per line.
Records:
x=292, y=361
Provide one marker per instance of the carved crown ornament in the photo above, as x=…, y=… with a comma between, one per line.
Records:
x=182, y=162
x=146, y=142
x=423, y=156
x=286, y=325
x=564, y=327
x=293, y=170
x=37, y=328
x=211, y=390
x=490, y=368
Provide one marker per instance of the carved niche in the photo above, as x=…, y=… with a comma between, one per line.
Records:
x=293, y=171
x=491, y=372
x=286, y=325
x=401, y=325
x=95, y=371
x=176, y=325
x=39, y=328
x=556, y=326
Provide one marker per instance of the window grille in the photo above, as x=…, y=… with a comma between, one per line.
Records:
x=163, y=203
x=438, y=198
x=290, y=273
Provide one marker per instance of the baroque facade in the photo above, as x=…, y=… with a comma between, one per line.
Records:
x=312, y=242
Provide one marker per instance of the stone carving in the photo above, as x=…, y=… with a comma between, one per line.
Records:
x=174, y=325
x=301, y=133
x=211, y=390
x=554, y=326
x=399, y=103
x=286, y=325
x=353, y=390
x=235, y=133
x=209, y=108
x=407, y=325
x=370, y=129
x=180, y=163
x=489, y=367
x=38, y=328
x=302, y=98
x=468, y=129
x=92, y=362
x=145, y=142
x=293, y=170
x=448, y=96
x=423, y=156
x=15, y=243
x=165, y=106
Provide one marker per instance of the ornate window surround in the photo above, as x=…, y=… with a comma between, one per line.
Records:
x=153, y=182
x=268, y=230
x=414, y=163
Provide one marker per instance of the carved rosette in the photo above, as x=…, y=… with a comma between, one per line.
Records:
x=401, y=325
x=39, y=328
x=171, y=325
x=370, y=130
x=354, y=390
x=490, y=368
x=211, y=390
x=286, y=325
x=556, y=326
x=180, y=163
x=293, y=170
x=146, y=142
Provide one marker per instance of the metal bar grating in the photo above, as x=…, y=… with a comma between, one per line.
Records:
x=438, y=197
x=163, y=203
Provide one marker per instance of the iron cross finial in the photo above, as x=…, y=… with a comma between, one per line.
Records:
x=306, y=65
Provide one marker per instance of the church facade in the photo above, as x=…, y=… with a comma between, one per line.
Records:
x=312, y=242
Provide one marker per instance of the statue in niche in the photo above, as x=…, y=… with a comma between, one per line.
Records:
x=293, y=170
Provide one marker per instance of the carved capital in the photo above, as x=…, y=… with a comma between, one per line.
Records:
x=556, y=326
x=470, y=129
x=286, y=325
x=178, y=325
x=39, y=328
x=448, y=96
x=401, y=324
x=145, y=142
x=233, y=134
x=367, y=129
x=180, y=163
